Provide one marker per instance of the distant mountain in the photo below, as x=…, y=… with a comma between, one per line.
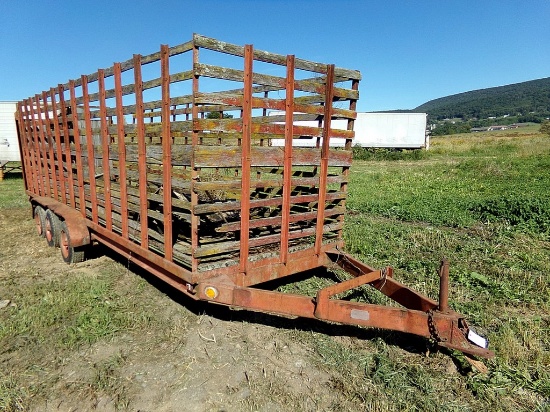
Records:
x=519, y=99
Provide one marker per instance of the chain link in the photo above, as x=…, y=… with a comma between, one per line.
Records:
x=432, y=327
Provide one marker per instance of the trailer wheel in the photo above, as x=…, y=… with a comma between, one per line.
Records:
x=52, y=228
x=69, y=253
x=40, y=220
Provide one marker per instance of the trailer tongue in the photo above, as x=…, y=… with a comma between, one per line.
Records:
x=418, y=315
x=167, y=160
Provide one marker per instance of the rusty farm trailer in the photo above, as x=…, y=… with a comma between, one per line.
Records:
x=166, y=159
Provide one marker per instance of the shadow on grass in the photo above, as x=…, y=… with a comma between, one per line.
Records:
x=12, y=175
x=408, y=342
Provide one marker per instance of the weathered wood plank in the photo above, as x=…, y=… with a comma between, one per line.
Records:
x=256, y=184
x=276, y=220
x=260, y=55
x=177, y=202
x=225, y=247
x=181, y=154
x=265, y=156
x=235, y=125
x=215, y=207
x=313, y=85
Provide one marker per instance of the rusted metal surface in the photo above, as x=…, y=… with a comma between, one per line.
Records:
x=444, y=286
x=184, y=181
x=166, y=154
x=288, y=153
x=80, y=236
x=122, y=178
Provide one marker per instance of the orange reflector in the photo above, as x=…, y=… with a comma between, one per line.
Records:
x=211, y=292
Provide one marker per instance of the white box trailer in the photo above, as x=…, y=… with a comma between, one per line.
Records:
x=10, y=157
x=376, y=130
x=9, y=144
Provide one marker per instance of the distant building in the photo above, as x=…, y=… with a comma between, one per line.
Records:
x=9, y=145
x=373, y=130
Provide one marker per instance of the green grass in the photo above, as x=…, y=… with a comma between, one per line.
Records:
x=483, y=202
x=479, y=200
x=12, y=192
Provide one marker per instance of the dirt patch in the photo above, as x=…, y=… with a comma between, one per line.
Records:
x=180, y=356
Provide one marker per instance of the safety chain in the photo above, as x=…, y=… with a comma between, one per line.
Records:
x=432, y=327
x=383, y=277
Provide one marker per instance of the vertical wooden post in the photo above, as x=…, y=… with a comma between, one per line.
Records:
x=166, y=152
x=90, y=148
x=42, y=146
x=36, y=149
x=67, y=143
x=105, y=141
x=245, y=157
x=142, y=154
x=194, y=172
x=58, y=151
x=23, y=146
x=325, y=149
x=29, y=145
x=287, y=171
x=51, y=146
x=121, y=151
x=346, y=169
x=78, y=150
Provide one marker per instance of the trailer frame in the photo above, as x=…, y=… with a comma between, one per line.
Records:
x=204, y=202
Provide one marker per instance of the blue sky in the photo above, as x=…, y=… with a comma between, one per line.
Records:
x=409, y=52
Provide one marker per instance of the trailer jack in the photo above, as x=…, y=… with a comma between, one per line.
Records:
x=418, y=314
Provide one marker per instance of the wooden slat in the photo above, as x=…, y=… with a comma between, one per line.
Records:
x=58, y=150
x=28, y=173
x=288, y=158
x=217, y=207
x=90, y=149
x=80, y=169
x=265, y=156
x=67, y=152
x=300, y=104
x=29, y=134
x=52, y=167
x=42, y=146
x=142, y=149
x=313, y=85
x=121, y=150
x=105, y=141
x=235, y=125
x=277, y=220
x=246, y=158
x=256, y=184
x=166, y=154
x=225, y=247
x=323, y=181
x=224, y=47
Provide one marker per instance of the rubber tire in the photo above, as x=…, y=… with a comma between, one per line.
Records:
x=52, y=228
x=69, y=253
x=39, y=215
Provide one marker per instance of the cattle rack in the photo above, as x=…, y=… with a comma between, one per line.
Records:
x=168, y=160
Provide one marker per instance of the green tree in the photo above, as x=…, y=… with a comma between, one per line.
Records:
x=545, y=127
x=216, y=115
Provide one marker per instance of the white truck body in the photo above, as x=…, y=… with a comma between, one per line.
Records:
x=9, y=144
x=377, y=130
